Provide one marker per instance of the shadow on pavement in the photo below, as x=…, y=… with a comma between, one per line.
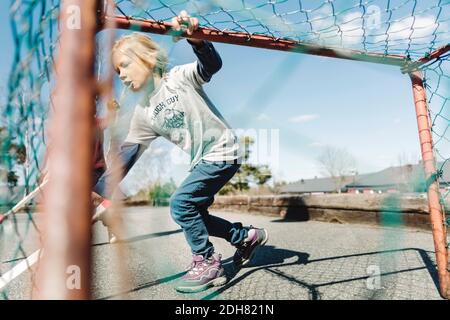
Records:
x=296, y=210
x=147, y=285
x=269, y=257
x=142, y=237
x=265, y=257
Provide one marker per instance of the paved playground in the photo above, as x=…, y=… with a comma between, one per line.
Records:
x=301, y=261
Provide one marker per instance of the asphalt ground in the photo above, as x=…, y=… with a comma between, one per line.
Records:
x=301, y=261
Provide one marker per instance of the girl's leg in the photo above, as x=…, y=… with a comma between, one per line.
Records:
x=190, y=202
x=189, y=208
x=245, y=239
x=234, y=233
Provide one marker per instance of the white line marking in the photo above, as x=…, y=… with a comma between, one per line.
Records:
x=19, y=268
x=26, y=264
x=26, y=199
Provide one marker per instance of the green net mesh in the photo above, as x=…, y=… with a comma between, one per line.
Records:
x=23, y=138
x=437, y=81
x=409, y=28
x=405, y=27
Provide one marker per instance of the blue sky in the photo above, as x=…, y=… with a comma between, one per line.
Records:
x=366, y=108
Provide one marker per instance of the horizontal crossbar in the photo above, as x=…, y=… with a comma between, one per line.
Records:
x=255, y=40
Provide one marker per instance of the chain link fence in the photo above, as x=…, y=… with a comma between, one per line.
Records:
x=407, y=29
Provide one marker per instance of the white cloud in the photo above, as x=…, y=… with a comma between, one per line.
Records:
x=304, y=118
x=316, y=144
x=353, y=26
x=384, y=157
x=420, y=29
x=263, y=117
x=414, y=27
x=322, y=18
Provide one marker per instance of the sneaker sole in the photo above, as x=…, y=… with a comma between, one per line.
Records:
x=246, y=262
x=112, y=238
x=100, y=211
x=213, y=283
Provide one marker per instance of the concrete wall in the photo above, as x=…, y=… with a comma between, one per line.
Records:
x=379, y=209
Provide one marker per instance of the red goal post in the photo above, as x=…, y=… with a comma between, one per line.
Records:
x=404, y=61
x=410, y=35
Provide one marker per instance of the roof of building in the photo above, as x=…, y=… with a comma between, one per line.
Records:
x=316, y=185
x=392, y=177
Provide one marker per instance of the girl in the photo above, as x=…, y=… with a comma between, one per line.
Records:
x=176, y=108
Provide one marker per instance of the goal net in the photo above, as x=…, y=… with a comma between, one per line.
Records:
x=410, y=35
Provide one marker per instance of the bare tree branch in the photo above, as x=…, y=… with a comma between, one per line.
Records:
x=336, y=163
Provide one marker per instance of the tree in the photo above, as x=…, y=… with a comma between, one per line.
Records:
x=11, y=151
x=160, y=193
x=12, y=179
x=278, y=185
x=247, y=173
x=407, y=181
x=11, y=154
x=336, y=163
x=18, y=153
x=262, y=175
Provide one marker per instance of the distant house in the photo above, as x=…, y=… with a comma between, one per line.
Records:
x=408, y=178
x=317, y=185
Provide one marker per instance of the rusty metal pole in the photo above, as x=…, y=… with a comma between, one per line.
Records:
x=437, y=215
x=257, y=41
x=64, y=271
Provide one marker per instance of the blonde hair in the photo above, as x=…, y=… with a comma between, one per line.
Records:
x=145, y=49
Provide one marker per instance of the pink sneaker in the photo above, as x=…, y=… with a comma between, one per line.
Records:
x=203, y=274
x=246, y=249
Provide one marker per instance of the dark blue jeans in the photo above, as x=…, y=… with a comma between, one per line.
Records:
x=189, y=207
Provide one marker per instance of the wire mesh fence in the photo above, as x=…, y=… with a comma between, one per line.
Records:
x=437, y=82
x=409, y=29
x=23, y=125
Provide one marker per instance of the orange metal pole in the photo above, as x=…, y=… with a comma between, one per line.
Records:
x=257, y=40
x=437, y=215
x=240, y=38
x=64, y=272
x=435, y=54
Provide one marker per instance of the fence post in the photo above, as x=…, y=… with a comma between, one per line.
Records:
x=437, y=215
x=64, y=271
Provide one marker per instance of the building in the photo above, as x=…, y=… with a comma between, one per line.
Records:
x=408, y=178
x=318, y=185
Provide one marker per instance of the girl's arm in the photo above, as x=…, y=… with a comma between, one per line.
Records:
x=129, y=153
x=209, y=61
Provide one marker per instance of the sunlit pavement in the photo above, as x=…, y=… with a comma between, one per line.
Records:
x=302, y=260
